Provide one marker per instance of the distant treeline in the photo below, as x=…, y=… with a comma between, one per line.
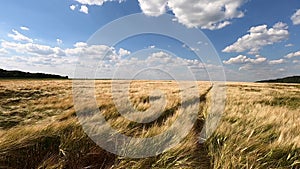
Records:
x=5, y=74
x=292, y=79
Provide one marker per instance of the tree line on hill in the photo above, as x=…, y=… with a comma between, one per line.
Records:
x=5, y=74
x=291, y=79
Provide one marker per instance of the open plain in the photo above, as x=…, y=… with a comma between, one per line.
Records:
x=259, y=127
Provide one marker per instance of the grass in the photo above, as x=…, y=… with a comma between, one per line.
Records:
x=259, y=128
x=280, y=101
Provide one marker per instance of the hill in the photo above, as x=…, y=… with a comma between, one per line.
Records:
x=291, y=79
x=5, y=74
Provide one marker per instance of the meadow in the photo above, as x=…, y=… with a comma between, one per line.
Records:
x=259, y=128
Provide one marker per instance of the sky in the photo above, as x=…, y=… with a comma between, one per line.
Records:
x=253, y=39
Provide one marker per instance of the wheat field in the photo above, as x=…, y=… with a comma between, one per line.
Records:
x=259, y=128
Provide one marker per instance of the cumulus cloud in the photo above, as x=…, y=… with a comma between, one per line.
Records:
x=93, y=52
x=162, y=61
x=91, y=2
x=289, y=45
x=154, y=7
x=24, y=28
x=292, y=55
x=33, y=49
x=258, y=37
x=80, y=44
x=19, y=37
x=124, y=52
x=165, y=59
x=296, y=17
x=32, y=53
x=262, y=72
x=191, y=48
x=176, y=67
x=256, y=72
x=205, y=14
x=96, y=2
x=275, y=62
x=236, y=60
x=59, y=41
x=73, y=7
x=102, y=58
x=105, y=59
x=3, y=51
x=241, y=59
x=296, y=61
x=84, y=9
x=257, y=68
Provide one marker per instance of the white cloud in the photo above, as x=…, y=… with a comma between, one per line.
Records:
x=33, y=49
x=258, y=56
x=29, y=56
x=104, y=58
x=258, y=37
x=160, y=59
x=289, y=45
x=275, y=62
x=291, y=55
x=259, y=68
x=191, y=48
x=280, y=26
x=205, y=14
x=84, y=9
x=159, y=55
x=3, y=51
x=84, y=57
x=175, y=66
x=91, y=2
x=93, y=52
x=59, y=41
x=154, y=7
x=73, y=7
x=258, y=60
x=80, y=44
x=37, y=54
x=124, y=52
x=261, y=72
x=241, y=59
x=96, y=2
x=296, y=17
x=24, y=28
x=246, y=67
x=19, y=37
x=151, y=47
x=236, y=60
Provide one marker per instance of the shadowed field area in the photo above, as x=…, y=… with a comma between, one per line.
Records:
x=259, y=129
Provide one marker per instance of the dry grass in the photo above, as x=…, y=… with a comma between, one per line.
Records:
x=259, y=129
x=255, y=133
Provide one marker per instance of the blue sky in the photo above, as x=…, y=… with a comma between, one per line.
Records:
x=255, y=39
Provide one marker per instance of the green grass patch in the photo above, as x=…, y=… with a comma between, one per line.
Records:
x=283, y=101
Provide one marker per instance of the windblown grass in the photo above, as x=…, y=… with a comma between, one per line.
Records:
x=39, y=128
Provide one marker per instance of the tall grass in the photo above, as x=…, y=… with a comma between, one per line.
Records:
x=259, y=128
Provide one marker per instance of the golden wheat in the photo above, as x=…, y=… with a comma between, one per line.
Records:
x=259, y=128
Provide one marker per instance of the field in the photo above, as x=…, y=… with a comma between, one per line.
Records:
x=259, y=128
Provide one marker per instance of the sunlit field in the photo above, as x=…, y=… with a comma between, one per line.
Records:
x=259, y=128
